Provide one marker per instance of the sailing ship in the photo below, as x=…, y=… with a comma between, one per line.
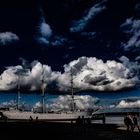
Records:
x=18, y=115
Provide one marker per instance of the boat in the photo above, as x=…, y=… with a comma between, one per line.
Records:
x=18, y=115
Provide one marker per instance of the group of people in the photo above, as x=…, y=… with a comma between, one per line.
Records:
x=131, y=122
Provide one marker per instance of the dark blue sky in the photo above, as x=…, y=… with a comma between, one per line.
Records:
x=100, y=37
x=58, y=32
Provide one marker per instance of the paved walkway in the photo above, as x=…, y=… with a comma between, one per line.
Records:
x=122, y=127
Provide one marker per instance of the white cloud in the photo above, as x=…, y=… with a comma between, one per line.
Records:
x=133, y=67
x=132, y=28
x=82, y=102
x=45, y=34
x=30, y=80
x=89, y=73
x=8, y=79
x=7, y=38
x=93, y=11
x=59, y=40
x=126, y=104
x=44, y=30
x=11, y=103
x=43, y=40
x=55, y=40
x=93, y=74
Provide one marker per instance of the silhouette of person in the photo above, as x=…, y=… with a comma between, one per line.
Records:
x=135, y=121
x=78, y=120
x=128, y=122
x=36, y=118
x=83, y=120
x=88, y=121
x=131, y=123
x=103, y=119
x=31, y=119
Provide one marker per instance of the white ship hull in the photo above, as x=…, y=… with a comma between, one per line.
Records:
x=18, y=115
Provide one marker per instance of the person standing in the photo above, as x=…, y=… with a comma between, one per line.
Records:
x=129, y=123
x=135, y=122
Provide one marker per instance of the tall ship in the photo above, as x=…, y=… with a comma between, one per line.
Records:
x=18, y=115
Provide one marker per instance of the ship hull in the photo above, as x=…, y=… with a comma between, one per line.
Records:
x=18, y=115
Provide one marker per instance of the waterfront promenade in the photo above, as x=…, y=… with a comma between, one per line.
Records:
x=66, y=130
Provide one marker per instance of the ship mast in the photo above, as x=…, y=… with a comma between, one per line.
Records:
x=18, y=94
x=19, y=73
x=43, y=91
x=72, y=93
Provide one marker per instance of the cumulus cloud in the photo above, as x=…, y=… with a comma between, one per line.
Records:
x=89, y=73
x=31, y=79
x=127, y=104
x=131, y=27
x=36, y=75
x=7, y=38
x=82, y=102
x=94, y=74
x=8, y=79
x=92, y=13
x=133, y=67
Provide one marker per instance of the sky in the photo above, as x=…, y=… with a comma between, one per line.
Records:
x=98, y=39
